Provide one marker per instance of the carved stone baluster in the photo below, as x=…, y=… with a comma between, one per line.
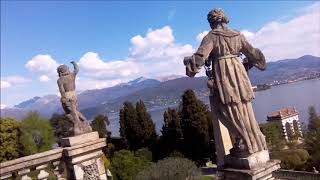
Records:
x=24, y=174
x=42, y=174
x=6, y=176
x=56, y=169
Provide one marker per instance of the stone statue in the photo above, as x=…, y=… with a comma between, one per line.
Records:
x=229, y=84
x=66, y=83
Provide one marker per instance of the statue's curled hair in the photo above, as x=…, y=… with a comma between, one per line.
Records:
x=217, y=15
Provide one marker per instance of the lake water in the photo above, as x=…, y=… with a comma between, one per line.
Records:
x=300, y=95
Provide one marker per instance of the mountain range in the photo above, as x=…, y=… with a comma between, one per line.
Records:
x=158, y=94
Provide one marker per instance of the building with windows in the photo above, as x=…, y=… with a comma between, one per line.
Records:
x=289, y=118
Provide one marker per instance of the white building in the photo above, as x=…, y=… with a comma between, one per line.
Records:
x=289, y=118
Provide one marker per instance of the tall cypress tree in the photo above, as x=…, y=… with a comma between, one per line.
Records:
x=147, y=131
x=312, y=139
x=195, y=127
x=136, y=125
x=171, y=132
x=99, y=124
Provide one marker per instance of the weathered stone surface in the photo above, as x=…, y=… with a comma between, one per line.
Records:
x=221, y=137
x=80, y=139
x=83, y=154
x=261, y=173
x=251, y=162
x=24, y=174
x=32, y=160
x=5, y=176
x=85, y=157
x=67, y=88
x=84, y=148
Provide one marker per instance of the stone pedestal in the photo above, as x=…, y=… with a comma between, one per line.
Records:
x=82, y=154
x=261, y=172
x=250, y=162
x=257, y=166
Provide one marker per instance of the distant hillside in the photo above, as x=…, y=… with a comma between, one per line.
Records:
x=156, y=94
x=286, y=69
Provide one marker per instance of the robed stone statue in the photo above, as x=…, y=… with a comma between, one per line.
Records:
x=66, y=83
x=229, y=84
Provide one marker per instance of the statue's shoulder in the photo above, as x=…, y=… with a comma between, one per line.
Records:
x=225, y=32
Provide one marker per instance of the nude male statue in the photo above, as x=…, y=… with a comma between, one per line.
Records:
x=66, y=83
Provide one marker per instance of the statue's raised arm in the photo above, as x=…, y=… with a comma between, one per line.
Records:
x=75, y=67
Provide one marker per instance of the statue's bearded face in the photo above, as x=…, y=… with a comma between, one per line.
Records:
x=62, y=70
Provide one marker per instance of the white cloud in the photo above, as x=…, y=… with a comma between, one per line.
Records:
x=17, y=79
x=2, y=106
x=5, y=84
x=9, y=81
x=155, y=54
x=294, y=38
x=44, y=78
x=43, y=64
x=158, y=54
x=93, y=65
x=201, y=35
x=85, y=83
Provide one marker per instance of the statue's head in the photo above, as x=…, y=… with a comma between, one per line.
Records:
x=62, y=70
x=217, y=16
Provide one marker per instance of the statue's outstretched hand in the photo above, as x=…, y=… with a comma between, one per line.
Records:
x=189, y=63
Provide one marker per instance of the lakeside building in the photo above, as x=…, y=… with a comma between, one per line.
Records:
x=289, y=118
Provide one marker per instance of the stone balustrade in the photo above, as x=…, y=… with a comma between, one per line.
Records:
x=39, y=161
x=293, y=175
x=81, y=154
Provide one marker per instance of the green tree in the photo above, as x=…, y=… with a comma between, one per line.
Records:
x=292, y=159
x=170, y=169
x=125, y=165
x=61, y=125
x=37, y=134
x=9, y=139
x=136, y=125
x=273, y=134
x=99, y=124
x=129, y=125
x=312, y=139
x=195, y=127
x=148, y=130
x=171, y=138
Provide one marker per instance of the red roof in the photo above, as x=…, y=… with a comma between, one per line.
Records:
x=284, y=112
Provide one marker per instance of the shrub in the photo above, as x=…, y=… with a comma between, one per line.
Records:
x=125, y=165
x=170, y=169
x=292, y=159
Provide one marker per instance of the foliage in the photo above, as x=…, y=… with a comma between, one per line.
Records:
x=61, y=125
x=176, y=154
x=170, y=169
x=292, y=159
x=99, y=124
x=195, y=127
x=37, y=135
x=125, y=165
x=312, y=139
x=106, y=161
x=9, y=136
x=171, y=139
x=273, y=134
x=144, y=153
x=136, y=125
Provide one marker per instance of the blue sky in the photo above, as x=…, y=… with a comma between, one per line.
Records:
x=114, y=42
